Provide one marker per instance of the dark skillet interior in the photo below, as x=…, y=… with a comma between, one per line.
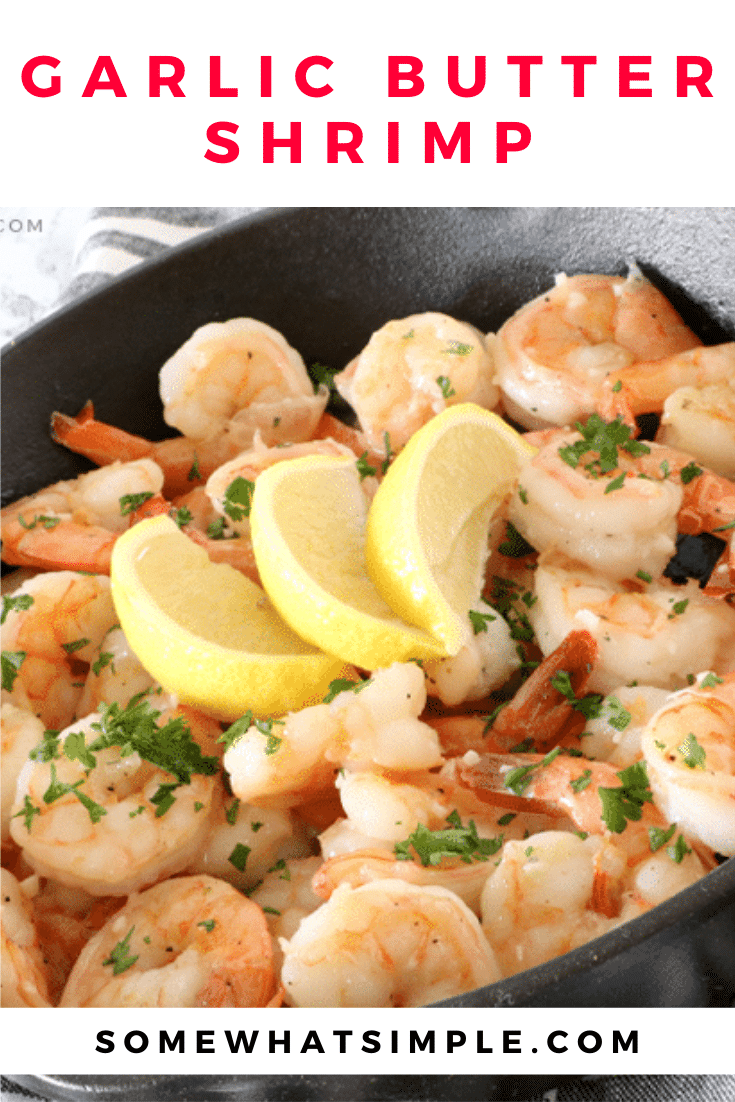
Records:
x=327, y=278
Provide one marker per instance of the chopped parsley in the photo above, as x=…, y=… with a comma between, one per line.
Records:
x=604, y=438
x=138, y=811
x=710, y=680
x=239, y=856
x=44, y=521
x=75, y=748
x=616, y=483
x=525, y=747
x=590, y=706
x=363, y=467
x=105, y=659
x=231, y=812
x=693, y=754
x=208, y=924
x=280, y=867
x=163, y=798
x=135, y=730
x=617, y=716
x=658, y=837
x=15, y=604
x=270, y=911
x=457, y=348
x=238, y=499
x=690, y=472
x=341, y=685
x=624, y=803
x=679, y=850
x=518, y=779
x=47, y=749
x=431, y=846
x=11, y=661
x=27, y=812
x=236, y=730
x=617, y=387
x=120, y=958
x=504, y=820
x=57, y=789
x=130, y=502
x=678, y=608
x=528, y=851
x=216, y=529
x=582, y=782
x=490, y=719
x=514, y=546
x=78, y=644
x=181, y=516
x=523, y=495
x=408, y=336
x=644, y=576
x=445, y=386
x=388, y=453
x=255, y=827
x=194, y=472
x=480, y=620
x=324, y=375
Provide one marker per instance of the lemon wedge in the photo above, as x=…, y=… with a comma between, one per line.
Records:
x=308, y=530
x=206, y=632
x=426, y=541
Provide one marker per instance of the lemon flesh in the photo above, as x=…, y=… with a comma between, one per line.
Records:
x=308, y=530
x=206, y=632
x=426, y=540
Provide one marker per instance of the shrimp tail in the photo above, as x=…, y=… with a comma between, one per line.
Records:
x=96, y=440
x=539, y=709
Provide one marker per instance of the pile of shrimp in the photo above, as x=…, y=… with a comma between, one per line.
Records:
x=426, y=829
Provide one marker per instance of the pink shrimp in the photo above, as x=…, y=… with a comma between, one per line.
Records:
x=644, y=387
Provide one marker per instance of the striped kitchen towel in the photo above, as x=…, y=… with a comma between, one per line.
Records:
x=116, y=238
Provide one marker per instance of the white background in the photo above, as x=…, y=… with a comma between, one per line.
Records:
x=69, y=151
x=66, y=150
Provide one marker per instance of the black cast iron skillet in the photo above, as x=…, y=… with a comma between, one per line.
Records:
x=327, y=278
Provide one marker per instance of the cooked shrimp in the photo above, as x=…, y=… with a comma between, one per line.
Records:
x=286, y=896
x=378, y=725
x=540, y=900
x=701, y=421
x=386, y=943
x=485, y=661
x=657, y=635
x=689, y=747
x=644, y=387
x=248, y=465
x=245, y=841
x=115, y=674
x=193, y=941
x=54, y=629
x=615, y=734
x=567, y=785
x=412, y=369
x=366, y=866
x=24, y=974
x=237, y=377
x=73, y=525
x=21, y=732
x=122, y=823
x=554, y=354
x=65, y=919
x=559, y=504
x=184, y=462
